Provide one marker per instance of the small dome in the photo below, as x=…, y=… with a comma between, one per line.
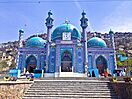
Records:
x=35, y=42
x=96, y=42
x=57, y=33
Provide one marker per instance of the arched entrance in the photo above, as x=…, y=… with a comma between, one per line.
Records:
x=31, y=63
x=66, y=62
x=101, y=64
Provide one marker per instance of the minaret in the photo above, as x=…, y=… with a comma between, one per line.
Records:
x=19, y=46
x=84, y=24
x=111, y=33
x=112, y=42
x=49, y=25
x=20, y=38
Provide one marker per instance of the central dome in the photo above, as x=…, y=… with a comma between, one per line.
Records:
x=57, y=33
x=35, y=42
x=96, y=42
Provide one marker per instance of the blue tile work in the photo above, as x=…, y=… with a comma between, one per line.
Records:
x=52, y=65
x=49, y=52
x=79, y=59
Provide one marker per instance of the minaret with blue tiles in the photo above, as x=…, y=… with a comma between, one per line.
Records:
x=19, y=46
x=49, y=25
x=112, y=42
x=20, y=38
x=84, y=24
x=111, y=34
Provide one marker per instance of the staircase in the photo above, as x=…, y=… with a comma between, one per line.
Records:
x=67, y=89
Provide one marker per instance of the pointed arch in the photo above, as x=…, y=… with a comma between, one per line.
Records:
x=31, y=63
x=101, y=64
x=66, y=61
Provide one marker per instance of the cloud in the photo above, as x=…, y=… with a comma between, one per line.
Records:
x=78, y=5
x=119, y=20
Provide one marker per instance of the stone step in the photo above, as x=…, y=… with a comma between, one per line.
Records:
x=84, y=81
x=78, y=86
x=76, y=78
x=49, y=82
x=68, y=98
x=69, y=83
x=71, y=88
x=67, y=89
x=72, y=96
x=65, y=84
x=69, y=93
x=78, y=89
x=102, y=90
x=94, y=81
x=72, y=91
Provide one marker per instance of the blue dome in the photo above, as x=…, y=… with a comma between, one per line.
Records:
x=57, y=33
x=96, y=42
x=35, y=42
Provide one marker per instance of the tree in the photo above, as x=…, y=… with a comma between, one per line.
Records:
x=127, y=62
x=119, y=64
x=124, y=63
x=130, y=62
x=121, y=53
x=13, y=65
x=3, y=64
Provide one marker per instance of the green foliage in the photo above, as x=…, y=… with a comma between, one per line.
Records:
x=130, y=62
x=13, y=65
x=125, y=63
x=3, y=64
x=119, y=64
x=129, y=66
x=121, y=52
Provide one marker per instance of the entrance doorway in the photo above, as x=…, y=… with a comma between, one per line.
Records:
x=101, y=64
x=66, y=62
x=31, y=63
x=93, y=74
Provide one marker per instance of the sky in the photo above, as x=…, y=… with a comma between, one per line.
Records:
x=30, y=16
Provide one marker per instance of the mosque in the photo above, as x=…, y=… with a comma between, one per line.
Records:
x=67, y=52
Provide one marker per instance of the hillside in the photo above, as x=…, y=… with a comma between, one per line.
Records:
x=8, y=51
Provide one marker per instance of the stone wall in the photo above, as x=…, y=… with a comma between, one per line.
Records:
x=13, y=90
x=123, y=89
